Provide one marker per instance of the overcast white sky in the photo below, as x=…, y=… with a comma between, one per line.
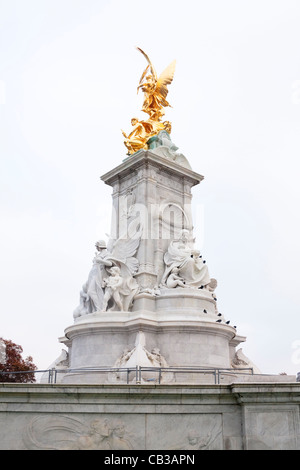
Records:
x=68, y=76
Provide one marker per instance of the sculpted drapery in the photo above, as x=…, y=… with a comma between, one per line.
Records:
x=188, y=263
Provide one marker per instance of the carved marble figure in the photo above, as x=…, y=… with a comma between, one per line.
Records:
x=83, y=307
x=121, y=255
x=65, y=433
x=191, y=267
x=110, y=284
x=97, y=437
x=203, y=439
x=113, y=286
x=195, y=442
x=174, y=280
x=158, y=360
x=240, y=361
x=119, y=439
x=91, y=295
x=140, y=356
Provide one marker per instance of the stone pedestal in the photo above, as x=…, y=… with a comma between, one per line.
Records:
x=99, y=340
x=179, y=326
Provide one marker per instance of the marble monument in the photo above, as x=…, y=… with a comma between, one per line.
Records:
x=149, y=279
x=150, y=363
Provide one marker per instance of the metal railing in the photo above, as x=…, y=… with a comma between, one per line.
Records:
x=138, y=374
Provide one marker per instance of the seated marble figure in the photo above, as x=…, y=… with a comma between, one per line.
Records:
x=184, y=261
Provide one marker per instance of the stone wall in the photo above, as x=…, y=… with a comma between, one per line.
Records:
x=153, y=417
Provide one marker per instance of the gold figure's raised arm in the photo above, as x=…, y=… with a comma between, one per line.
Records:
x=149, y=65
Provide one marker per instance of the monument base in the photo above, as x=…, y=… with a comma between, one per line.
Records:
x=181, y=332
x=105, y=417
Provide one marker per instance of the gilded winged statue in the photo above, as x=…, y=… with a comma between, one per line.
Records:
x=155, y=90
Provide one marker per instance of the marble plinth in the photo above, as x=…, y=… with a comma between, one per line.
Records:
x=184, y=337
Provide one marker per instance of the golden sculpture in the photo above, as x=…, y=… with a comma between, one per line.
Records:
x=155, y=92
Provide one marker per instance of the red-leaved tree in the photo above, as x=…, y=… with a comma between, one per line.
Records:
x=13, y=366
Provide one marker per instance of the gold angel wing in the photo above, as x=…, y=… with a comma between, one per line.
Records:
x=165, y=79
x=150, y=64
